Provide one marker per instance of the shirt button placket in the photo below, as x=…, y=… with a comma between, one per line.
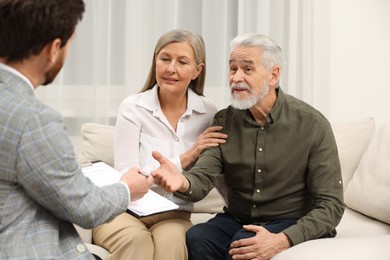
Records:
x=260, y=166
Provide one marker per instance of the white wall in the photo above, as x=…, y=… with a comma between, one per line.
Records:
x=359, y=74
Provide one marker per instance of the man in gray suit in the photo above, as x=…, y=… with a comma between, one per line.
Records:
x=42, y=189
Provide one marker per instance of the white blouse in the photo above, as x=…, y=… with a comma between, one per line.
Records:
x=141, y=128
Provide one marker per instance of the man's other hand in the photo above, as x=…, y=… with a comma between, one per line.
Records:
x=168, y=176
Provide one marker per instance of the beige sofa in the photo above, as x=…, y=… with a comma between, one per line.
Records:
x=364, y=231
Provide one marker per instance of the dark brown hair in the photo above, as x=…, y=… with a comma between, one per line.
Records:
x=26, y=26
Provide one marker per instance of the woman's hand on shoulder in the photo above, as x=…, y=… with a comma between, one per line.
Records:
x=211, y=137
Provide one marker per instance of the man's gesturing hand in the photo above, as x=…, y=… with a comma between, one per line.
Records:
x=168, y=176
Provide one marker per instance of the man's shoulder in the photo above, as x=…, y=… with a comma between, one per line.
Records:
x=304, y=109
x=33, y=109
x=228, y=111
x=18, y=110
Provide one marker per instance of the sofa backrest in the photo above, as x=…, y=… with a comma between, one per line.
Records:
x=97, y=143
x=352, y=138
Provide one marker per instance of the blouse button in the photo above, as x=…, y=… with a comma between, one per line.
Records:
x=177, y=139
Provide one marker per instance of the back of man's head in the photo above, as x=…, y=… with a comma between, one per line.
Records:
x=26, y=26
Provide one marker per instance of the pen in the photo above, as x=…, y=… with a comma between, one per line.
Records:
x=143, y=173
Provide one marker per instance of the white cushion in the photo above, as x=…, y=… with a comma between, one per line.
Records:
x=85, y=234
x=359, y=248
x=198, y=218
x=352, y=140
x=212, y=203
x=98, y=251
x=97, y=143
x=369, y=189
x=355, y=224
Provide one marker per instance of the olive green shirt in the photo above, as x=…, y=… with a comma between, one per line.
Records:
x=288, y=168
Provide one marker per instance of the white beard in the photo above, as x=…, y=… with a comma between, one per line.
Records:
x=252, y=100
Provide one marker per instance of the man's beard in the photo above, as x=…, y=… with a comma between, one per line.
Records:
x=251, y=100
x=54, y=70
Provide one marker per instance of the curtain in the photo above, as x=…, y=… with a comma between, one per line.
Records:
x=111, y=54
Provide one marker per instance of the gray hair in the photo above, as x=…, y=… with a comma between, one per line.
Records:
x=272, y=54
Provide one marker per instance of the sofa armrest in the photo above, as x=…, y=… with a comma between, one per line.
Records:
x=86, y=236
x=98, y=251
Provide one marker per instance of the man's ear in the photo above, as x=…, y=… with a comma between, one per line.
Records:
x=53, y=50
x=275, y=75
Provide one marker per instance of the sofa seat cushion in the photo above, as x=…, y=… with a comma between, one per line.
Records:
x=352, y=248
x=358, y=237
x=197, y=218
x=212, y=203
x=355, y=224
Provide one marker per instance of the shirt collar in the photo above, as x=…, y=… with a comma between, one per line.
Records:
x=276, y=110
x=17, y=73
x=151, y=102
x=195, y=102
x=274, y=115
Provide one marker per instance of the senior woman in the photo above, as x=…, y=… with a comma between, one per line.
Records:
x=171, y=115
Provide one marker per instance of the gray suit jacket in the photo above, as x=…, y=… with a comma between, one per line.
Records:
x=42, y=189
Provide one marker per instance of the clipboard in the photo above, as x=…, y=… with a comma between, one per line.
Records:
x=101, y=174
